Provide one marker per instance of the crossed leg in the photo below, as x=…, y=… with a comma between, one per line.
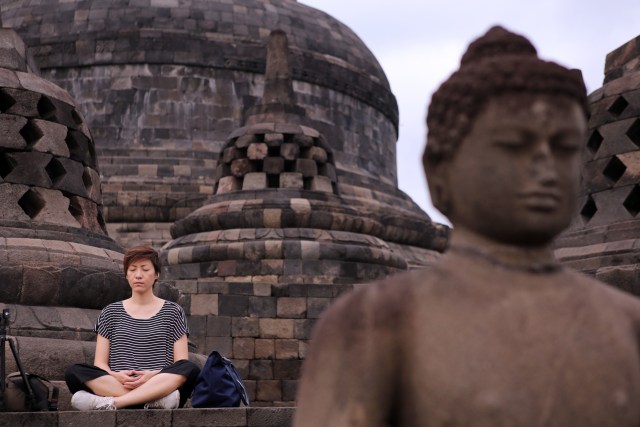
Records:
x=158, y=386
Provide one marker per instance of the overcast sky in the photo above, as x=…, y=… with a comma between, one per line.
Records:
x=419, y=44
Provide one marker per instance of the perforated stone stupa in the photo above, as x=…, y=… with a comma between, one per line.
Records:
x=57, y=264
x=280, y=189
x=604, y=240
x=163, y=84
x=264, y=257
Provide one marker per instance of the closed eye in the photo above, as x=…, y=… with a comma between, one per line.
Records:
x=566, y=143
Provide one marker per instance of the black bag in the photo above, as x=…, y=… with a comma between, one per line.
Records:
x=16, y=394
x=218, y=385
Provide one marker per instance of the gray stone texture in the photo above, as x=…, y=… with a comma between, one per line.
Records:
x=194, y=90
x=279, y=204
x=57, y=263
x=221, y=417
x=603, y=238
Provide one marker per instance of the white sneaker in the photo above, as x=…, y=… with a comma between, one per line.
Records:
x=170, y=401
x=83, y=401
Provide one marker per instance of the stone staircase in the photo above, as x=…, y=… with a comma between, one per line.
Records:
x=222, y=417
x=219, y=417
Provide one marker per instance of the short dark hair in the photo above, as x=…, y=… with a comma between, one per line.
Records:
x=499, y=62
x=139, y=253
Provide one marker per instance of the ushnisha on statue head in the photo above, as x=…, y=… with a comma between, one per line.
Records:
x=487, y=168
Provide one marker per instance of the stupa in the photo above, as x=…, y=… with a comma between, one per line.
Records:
x=57, y=264
x=163, y=84
x=604, y=239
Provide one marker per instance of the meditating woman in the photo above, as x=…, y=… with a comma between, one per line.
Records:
x=141, y=357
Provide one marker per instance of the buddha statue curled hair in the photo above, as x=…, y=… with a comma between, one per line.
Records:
x=499, y=62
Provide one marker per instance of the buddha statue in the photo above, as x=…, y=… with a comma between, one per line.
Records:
x=497, y=332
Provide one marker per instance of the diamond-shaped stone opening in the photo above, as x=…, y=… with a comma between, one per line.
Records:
x=31, y=203
x=614, y=169
x=101, y=222
x=55, y=170
x=617, y=107
x=46, y=108
x=31, y=133
x=7, y=164
x=92, y=153
x=77, y=144
x=75, y=209
x=632, y=202
x=594, y=142
x=634, y=132
x=86, y=180
x=6, y=101
x=76, y=117
x=589, y=209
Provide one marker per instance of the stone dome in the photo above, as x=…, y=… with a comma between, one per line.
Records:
x=209, y=33
x=162, y=84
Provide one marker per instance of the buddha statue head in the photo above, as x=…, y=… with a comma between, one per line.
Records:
x=504, y=144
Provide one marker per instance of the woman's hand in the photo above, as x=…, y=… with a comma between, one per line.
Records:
x=137, y=378
x=122, y=376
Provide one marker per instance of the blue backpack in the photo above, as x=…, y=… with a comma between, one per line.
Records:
x=218, y=385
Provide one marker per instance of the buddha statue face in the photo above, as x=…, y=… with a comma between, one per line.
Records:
x=505, y=134
x=515, y=177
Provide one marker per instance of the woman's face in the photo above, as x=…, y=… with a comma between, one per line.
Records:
x=141, y=275
x=516, y=175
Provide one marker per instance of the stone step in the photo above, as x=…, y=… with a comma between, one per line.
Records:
x=219, y=417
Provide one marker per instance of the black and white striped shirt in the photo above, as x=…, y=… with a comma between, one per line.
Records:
x=141, y=344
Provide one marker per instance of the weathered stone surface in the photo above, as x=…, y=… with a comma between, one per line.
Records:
x=291, y=180
x=231, y=153
x=273, y=165
x=91, y=180
x=307, y=167
x=24, y=103
x=10, y=126
x=10, y=194
x=228, y=184
x=273, y=139
x=254, y=181
x=59, y=96
x=86, y=212
x=55, y=208
x=257, y=151
x=241, y=167
x=72, y=180
x=321, y=183
x=11, y=279
x=87, y=288
x=315, y=153
x=289, y=151
x=245, y=140
x=52, y=139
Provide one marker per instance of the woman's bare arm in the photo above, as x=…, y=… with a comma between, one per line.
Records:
x=181, y=349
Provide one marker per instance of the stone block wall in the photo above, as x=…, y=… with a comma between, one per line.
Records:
x=255, y=294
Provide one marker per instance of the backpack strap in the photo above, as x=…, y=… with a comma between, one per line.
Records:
x=53, y=402
x=236, y=380
x=54, y=392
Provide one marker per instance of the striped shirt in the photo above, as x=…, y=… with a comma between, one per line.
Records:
x=141, y=344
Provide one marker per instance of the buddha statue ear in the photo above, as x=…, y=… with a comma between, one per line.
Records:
x=438, y=182
x=437, y=174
